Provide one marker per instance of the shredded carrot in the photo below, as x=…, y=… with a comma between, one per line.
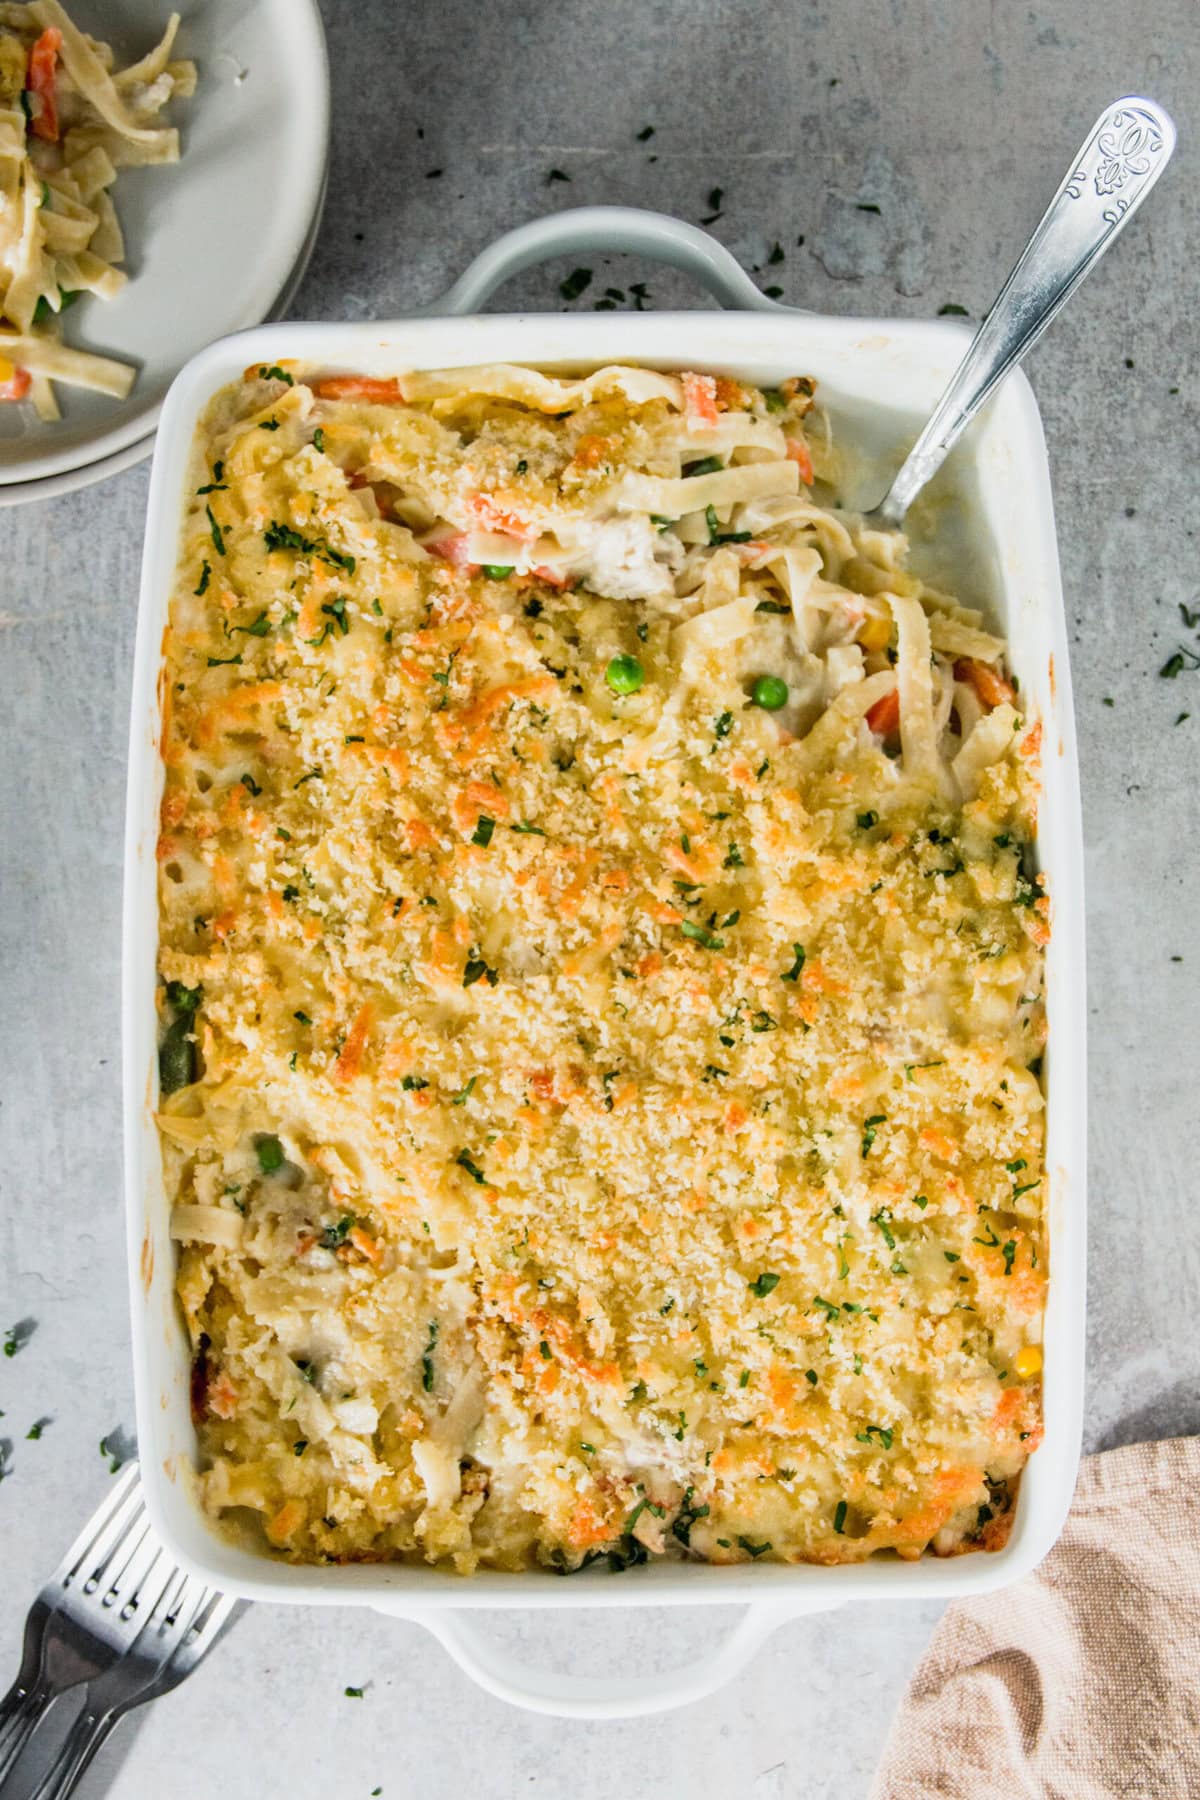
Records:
x=349, y=1063
x=798, y=452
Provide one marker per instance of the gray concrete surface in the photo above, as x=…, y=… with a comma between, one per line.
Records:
x=955, y=119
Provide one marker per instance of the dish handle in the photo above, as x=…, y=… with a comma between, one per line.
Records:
x=604, y=1696
x=586, y=229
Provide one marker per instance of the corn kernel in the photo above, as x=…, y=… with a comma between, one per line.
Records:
x=875, y=633
x=7, y=371
x=1028, y=1361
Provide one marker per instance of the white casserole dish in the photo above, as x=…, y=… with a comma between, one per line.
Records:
x=880, y=379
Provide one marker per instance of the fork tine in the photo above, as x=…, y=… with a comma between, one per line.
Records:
x=99, y=1523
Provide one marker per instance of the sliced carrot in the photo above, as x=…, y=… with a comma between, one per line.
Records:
x=699, y=399
x=884, y=716
x=990, y=686
x=360, y=387
x=798, y=452
x=16, y=385
x=365, y=1244
x=42, y=80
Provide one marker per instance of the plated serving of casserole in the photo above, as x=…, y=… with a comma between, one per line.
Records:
x=601, y=985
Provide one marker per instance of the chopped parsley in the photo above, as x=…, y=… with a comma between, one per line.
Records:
x=869, y=1129
x=699, y=935
x=205, y=577
x=275, y=373
x=793, y=974
x=427, y=1357
x=765, y=1284
x=464, y=1161
x=218, y=536
x=839, y=1518
x=882, y=1432
x=283, y=537
x=477, y=970
x=482, y=834
x=575, y=283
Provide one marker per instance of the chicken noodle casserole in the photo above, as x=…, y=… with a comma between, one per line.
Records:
x=601, y=986
x=69, y=119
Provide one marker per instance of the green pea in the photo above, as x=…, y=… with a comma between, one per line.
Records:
x=769, y=692
x=270, y=1154
x=498, y=571
x=625, y=675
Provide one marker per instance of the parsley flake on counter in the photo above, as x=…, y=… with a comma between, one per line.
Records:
x=575, y=283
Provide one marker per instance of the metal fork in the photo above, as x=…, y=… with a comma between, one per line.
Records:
x=117, y=1615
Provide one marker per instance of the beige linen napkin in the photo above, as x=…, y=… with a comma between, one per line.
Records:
x=1082, y=1682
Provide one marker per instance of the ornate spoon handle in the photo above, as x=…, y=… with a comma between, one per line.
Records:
x=1125, y=153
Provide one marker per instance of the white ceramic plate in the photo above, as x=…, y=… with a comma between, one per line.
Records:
x=212, y=242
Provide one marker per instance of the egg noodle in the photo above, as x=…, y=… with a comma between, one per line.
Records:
x=68, y=121
x=601, y=991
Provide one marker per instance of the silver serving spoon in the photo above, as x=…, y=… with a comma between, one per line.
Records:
x=1125, y=153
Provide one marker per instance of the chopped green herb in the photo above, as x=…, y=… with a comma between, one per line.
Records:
x=217, y=534
x=224, y=662
x=839, y=1518
x=251, y=786
x=723, y=726
x=575, y=283
x=527, y=830
x=464, y=1094
x=557, y=175
x=869, y=1128
x=275, y=373
x=268, y=424
x=707, y=465
x=482, y=834
x=477, y=970
x=464, y=1161
x=283, y=537
x=1008, y=1251
x=645, y=134
x=300, y=1446
x=353, y=1693
x=952, y=310
x=866, y=820
x=827, y=1307
x=498, y=571
x=302, y=1017
x=866, y=206
x=754, y=1549
x=882, y=1432
x=764, y=1284
x=951, y=1256
x=413, y=1084
x=699, y=935
x=205, y=577
x=319, y=441
x=427, y=1357
x=811, y=1376
x=793, y=974
x=762, y=1021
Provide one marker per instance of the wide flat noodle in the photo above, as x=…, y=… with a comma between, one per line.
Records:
x=668, y=498
x=43, y=356
x=509, y=381
x=90, y=76
x=914, y=678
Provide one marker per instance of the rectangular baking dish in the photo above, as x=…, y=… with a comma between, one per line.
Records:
x=880, y=379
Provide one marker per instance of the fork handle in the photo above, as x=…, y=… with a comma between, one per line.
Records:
x=78, y=1748
x=21, y=1712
